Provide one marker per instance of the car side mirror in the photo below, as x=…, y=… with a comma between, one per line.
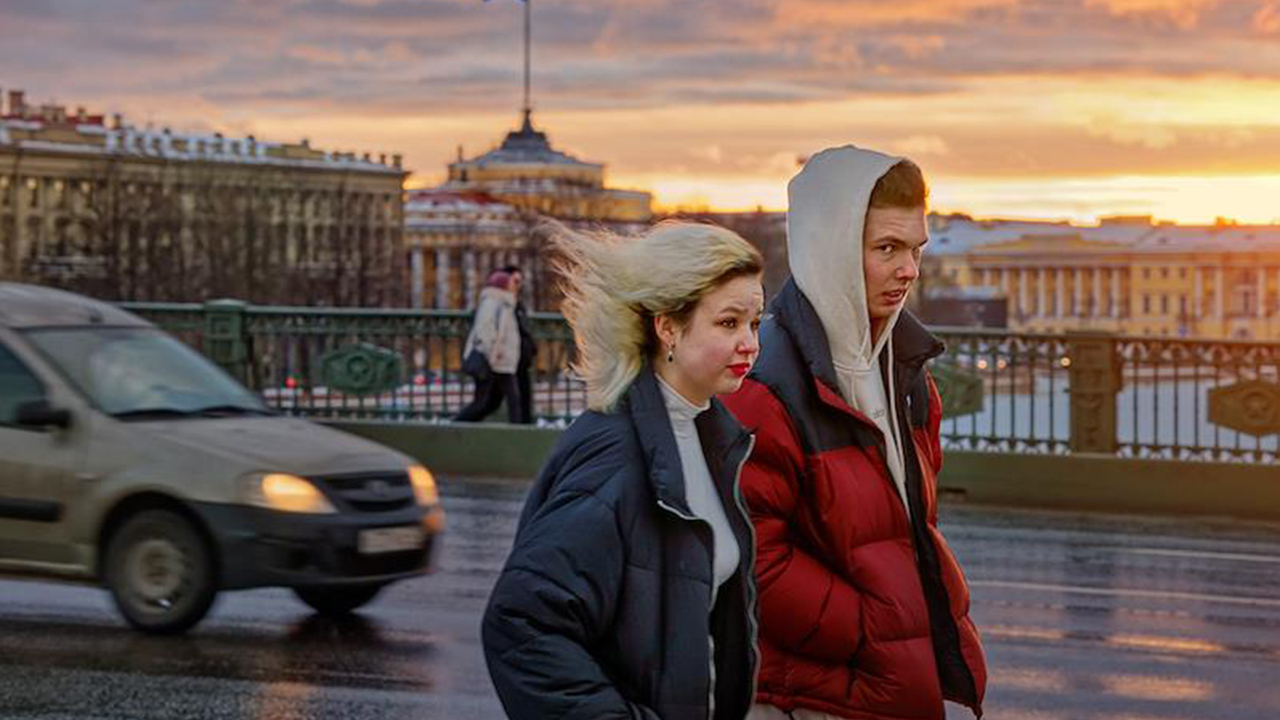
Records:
x=40, y=414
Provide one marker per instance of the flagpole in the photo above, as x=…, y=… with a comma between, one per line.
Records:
x=527, y=22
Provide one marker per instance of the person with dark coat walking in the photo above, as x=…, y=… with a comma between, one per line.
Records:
x=864, y=611
x=528, y=346
x=628, y=593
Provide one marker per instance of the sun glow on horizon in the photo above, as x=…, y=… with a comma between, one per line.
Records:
x=1185, y=200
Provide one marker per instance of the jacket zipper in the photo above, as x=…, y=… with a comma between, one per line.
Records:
x=711, y=651
x=748, y=574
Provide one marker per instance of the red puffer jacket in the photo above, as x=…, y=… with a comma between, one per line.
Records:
x=863, y=612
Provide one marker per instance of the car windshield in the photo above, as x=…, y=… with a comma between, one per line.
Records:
x=142, y=372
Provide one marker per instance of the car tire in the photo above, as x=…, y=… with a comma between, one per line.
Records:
x=159, y=569
x=337, y=600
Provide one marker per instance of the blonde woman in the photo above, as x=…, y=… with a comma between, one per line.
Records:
x=628, y=592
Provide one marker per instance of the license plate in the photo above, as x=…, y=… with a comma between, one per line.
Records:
x=392, y=539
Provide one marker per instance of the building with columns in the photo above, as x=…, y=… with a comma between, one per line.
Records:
x=487, y=213
x=1147, y=280
x=128, y=213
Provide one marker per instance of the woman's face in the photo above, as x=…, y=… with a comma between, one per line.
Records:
x=715, y=349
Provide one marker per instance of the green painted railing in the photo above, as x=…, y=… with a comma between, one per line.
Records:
x=1028, y=394
x=362, y=363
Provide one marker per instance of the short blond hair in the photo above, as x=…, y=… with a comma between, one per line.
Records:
x=615, y=286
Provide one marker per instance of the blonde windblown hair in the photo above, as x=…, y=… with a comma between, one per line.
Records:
x=615, y=286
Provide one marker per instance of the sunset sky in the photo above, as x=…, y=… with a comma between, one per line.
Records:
x=1015, y=108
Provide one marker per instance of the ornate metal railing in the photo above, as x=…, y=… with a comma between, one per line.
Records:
x=361, y=363
x=1199, y=400
x=1004, y=392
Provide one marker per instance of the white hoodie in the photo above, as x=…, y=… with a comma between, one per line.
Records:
x=828, y=207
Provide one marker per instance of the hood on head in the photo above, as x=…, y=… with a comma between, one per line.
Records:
x=827, y=208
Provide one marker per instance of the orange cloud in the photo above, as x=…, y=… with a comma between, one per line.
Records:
x=1184, y=13
x=873, y=13
x=1267, y=19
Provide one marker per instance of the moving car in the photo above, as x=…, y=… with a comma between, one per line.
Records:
x=129, y=460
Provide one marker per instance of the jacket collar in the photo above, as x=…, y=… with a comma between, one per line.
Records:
x=718, y=431
x=913, y=344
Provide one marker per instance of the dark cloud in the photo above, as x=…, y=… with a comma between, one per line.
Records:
x=640, y=54
x=225, y=63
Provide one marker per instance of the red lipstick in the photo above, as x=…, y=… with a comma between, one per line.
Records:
x=740, y=369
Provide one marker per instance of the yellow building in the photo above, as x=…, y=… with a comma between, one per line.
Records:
x=526, y=172
x=1152, y=280
x=122, y=212
x=486, y=215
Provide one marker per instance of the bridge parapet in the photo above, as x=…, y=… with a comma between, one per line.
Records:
x=1086, y=393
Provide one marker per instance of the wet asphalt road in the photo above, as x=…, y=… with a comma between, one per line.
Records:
x=1083, y=617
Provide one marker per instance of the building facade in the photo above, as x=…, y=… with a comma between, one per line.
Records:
x=124, y=213
x=489, y=214
x=1131, y=277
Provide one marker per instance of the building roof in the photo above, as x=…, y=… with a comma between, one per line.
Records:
x=50, y=129
x=526, y=146
x=960, y=235
x=436, y=209
x=437, y=198
x=1211, y=239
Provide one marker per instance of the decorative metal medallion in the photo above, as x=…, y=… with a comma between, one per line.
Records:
x=1251, y=407
x=961, y=390
x=361, y=369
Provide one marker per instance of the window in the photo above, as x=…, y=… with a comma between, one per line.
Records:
x=1146, y=304
x=1146, y=273
x=1182, y=273
x=1164, y=273
x=17, y=386
x=127, y=370
x=1164, y=304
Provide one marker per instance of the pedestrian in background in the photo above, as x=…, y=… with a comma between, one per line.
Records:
x=528, y=347
x=628, y=593
x=496, y=336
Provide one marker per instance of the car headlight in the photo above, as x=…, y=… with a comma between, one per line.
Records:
x=286, y=493
x=424, y=486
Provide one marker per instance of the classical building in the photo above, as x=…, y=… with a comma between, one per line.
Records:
x=1127, y=275
x=486, y=215
x=122, y=212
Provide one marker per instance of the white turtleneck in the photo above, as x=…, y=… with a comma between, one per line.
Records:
x=700, y=490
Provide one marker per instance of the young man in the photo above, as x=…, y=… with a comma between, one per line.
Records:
x=864, y=612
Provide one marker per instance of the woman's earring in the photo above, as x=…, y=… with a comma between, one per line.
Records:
x=671, y=353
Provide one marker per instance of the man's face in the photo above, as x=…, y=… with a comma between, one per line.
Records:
x=893, y=241
x=517, y=280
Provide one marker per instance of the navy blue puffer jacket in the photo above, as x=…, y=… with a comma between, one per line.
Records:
x=604, y=607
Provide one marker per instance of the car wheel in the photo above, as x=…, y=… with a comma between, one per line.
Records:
x=337, y=600
x=160, y=572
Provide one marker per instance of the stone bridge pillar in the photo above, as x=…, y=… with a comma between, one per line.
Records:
x=1094, y=381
